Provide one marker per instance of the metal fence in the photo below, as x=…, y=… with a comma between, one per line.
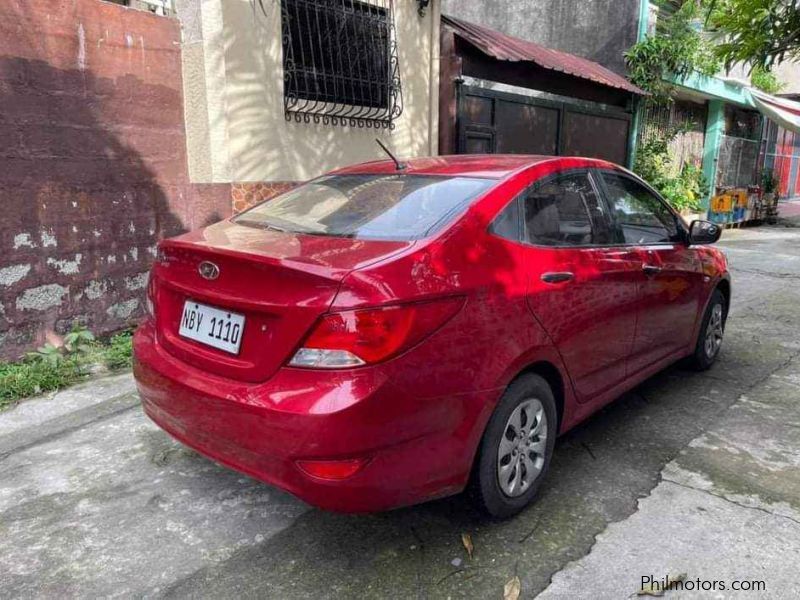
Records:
x=738, y=162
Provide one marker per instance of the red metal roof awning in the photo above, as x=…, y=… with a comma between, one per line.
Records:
x=505, y=47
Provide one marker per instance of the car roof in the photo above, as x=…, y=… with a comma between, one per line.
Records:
x=491, y=166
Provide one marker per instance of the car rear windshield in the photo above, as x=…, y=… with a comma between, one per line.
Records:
x=386, y=207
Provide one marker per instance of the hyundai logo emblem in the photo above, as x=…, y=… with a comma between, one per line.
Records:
x=208, y=270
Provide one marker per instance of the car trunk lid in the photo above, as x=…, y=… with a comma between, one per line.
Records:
x=279, y=282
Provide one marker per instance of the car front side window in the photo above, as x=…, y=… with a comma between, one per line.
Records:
x=642, y=217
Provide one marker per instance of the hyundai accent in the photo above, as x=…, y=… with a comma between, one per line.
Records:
x=391, y=333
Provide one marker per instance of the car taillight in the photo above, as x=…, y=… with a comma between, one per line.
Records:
x=359, y=337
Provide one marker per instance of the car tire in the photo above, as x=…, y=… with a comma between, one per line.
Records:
x=712, y=329
x=515, y=451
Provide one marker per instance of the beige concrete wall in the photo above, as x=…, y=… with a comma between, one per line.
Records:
x=236, y=130
x=788, y=73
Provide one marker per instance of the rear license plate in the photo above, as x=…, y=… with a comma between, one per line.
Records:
x=212, y=326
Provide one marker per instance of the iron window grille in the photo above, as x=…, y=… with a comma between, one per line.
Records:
x=157, y=7
x=340, y=62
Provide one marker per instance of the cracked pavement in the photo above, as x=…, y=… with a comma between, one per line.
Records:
x=694, y=473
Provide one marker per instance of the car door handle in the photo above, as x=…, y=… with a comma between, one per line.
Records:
x=651, y=269
x=557, y=277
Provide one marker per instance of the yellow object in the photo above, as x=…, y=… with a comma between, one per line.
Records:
x=722, y=203
x=740, y=197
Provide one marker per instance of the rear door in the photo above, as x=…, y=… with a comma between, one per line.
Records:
x=669, y=272
x=580, y=288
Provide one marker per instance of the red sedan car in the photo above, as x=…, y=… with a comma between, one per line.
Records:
x=382, y=336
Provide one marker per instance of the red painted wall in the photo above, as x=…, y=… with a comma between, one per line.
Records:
x=92, y=164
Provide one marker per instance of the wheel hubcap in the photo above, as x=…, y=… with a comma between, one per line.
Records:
x=714, y=332
x=520, y=456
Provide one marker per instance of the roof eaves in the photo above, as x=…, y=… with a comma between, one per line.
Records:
x=507, y=48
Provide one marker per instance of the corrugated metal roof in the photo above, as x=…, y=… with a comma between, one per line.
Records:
x=506, y=47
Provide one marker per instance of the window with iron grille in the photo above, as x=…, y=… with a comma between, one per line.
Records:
x=158, y=7
x=340, y=62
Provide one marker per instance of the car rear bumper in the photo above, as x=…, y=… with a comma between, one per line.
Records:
x=416, y=449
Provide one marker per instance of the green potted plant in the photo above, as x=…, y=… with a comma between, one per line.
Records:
x=769, y=185
x=769, y=199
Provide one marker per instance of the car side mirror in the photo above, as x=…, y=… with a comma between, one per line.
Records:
x=704, y=232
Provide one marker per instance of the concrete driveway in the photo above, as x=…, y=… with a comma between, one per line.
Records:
x=695, y=474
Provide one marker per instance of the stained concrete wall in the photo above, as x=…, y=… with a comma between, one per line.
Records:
x=93, y=166
x=600, y=30
x=234, y=97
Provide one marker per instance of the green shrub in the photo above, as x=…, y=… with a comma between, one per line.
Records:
x=52, y=367
x=654, y=163
x=33, y=377
x=765, y=80
x=119, y=351
x=676, y=50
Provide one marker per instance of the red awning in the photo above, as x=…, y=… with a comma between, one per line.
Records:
x=504, y=47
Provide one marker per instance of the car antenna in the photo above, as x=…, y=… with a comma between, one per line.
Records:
x=397, y=164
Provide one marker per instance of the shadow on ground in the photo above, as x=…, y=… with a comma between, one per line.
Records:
x=599, y=471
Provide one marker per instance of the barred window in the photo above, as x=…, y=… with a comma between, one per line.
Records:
x=340, y=62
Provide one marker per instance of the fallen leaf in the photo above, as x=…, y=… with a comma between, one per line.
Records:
x=512, y=589
x=466, y=539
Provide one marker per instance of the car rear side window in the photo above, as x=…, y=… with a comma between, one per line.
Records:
x=642, y=217
x=565, y=211
x=390, y=207
x=507, y=223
